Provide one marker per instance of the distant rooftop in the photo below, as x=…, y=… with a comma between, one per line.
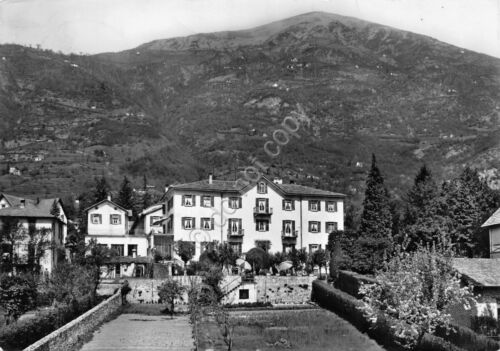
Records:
x=493, y=220
x=480, y=271
x=32, y=207
x=240, y=186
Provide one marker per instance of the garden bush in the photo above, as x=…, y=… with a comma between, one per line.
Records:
x=348, y=307
x=350, y=282
x=24, y=333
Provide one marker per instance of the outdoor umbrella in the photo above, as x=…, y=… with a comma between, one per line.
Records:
x=283, y=266
x=243, y=264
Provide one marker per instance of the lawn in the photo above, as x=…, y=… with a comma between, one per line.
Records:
x=309, y=330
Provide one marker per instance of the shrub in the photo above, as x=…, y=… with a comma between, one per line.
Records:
x=350, y=282
x=26, y=332
x=349, y=308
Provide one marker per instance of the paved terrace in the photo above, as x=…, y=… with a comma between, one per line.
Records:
x=136, y=332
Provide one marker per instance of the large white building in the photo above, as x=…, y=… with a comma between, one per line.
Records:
x=271, y=215
x=41, y=223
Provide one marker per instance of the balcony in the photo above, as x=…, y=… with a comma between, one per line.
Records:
x=266, y=211
x=292, y=235
x=235, y=233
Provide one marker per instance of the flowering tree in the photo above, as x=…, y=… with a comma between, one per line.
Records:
x=416, y=289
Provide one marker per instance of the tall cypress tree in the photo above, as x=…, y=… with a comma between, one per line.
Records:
x=126, y=195
x=375, y=229
x=101, y=190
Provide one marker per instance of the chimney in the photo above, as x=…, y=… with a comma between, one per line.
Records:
x=166, y=187
x=210, y=178
x=23, y=203
x=109, y=197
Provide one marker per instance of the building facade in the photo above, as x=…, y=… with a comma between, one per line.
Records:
x=37, y=227
x=271, y=215
x=493, y=225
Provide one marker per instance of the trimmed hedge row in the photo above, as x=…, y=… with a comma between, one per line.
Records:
x=348, y=307
x=460, y=336
x=350, y=282
x=26, y=332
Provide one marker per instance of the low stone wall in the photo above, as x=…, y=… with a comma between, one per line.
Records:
x=284, y=290
x=66, y=337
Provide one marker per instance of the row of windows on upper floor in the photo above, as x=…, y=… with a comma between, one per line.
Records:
x=116, y=219
x=261, y=225
x=236, y=202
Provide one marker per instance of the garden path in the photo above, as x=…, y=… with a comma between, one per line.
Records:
x=137, y=332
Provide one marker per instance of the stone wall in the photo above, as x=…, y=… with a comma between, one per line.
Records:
x=284, y=290
x=146, y=290
x=66, y=337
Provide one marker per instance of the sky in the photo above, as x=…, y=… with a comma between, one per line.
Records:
x=93, y=26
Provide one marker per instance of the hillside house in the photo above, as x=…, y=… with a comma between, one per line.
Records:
x=274, y=216
x=30, y=227
x=111, y=225
x=149, y=223
x=493, y=225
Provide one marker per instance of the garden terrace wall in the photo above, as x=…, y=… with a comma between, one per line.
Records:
x=284, y=290
x=69, y=335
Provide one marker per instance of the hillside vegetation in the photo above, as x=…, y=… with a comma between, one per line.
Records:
x=180, y=108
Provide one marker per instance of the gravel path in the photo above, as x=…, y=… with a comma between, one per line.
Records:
x=136, y=332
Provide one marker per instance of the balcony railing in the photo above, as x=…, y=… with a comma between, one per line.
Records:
x=264, y=211
x=238, y=232
x=293, y=234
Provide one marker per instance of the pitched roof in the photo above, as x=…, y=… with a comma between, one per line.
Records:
x=481, y=271
x=493, y=220
x=239, y=186
x=151, y=209
x=129, y=212
x=33, y=208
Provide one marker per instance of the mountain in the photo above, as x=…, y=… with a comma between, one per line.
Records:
x=180, y=108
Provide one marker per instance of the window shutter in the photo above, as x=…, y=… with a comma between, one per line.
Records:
x=309, y=205
x=309, y=225
x=239, y=224
x=319, y=205
x=212, y=201
x=293, y=227
x=267, y=204
x=283, y=226
x=267, y=226
x=183, y=200
x=257, y=225
x=257, y=203
x=193, y=223
x=183, y=222
x=319, y=227
x=335, y=206
x=293, y=205
x=110, y=218
x=211, y=223
x=194, y=200
x=239, y=203
x=283, y=203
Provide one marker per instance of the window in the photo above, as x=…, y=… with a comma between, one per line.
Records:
x=331, y=227
x=314, y=205
x=235, y=225
x=207, y=201
x=314, y=247
x=287, y=248
x=154, y=219
x=118, y=249
x=262, y=205
x=331, y=206
x=262, y=188
x=262, y=225
x=131, y=250
x=288, y=205
x=187, y=222
x=115, y=219
x=207, y=223
x=244, y=294
x=188, y=200
x=96, y=218
x=235, y=202
x=288, y=228
x=263, y=244
x=236, y=248
x=314, y=227
x=4, y=205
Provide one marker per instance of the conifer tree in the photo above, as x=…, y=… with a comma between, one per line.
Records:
x=375, y=230
x=126, y=195
x=101, y=190
x=54, y=210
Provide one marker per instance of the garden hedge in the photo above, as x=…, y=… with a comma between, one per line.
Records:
x=350, y=282
x=348, y=307
x=23, y=333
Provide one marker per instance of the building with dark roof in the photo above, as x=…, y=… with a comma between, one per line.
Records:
x=246, y=214
x=23, y=219
x=493, y=224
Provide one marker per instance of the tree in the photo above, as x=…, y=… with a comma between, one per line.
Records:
x=319, y=258
x=169, y=291
x=68, y=282
x=185, y=250
x=17, y=295
x=227, y=256
x=375, y=230
x=258, y=259
x=335, y=251
x=101, y=189
x=126, y=195
x=54, y=210
x=416, y=289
